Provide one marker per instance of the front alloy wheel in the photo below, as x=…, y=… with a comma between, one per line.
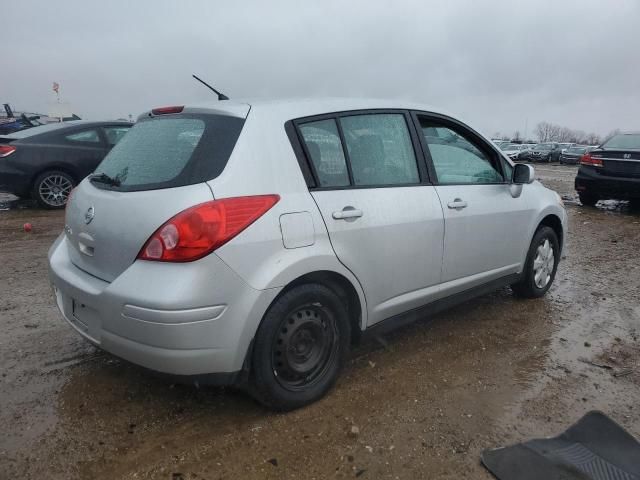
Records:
x=540, y=265
x=543, y=264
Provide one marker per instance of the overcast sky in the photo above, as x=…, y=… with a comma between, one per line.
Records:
x=496, y=64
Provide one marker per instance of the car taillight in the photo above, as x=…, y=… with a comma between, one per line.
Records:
x=199, y=230
x=6, y=150
x=587, y=159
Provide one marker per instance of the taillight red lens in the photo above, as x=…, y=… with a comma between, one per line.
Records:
x=199, y=230
x=167, y=110
x=6, y=150
x=587, y=159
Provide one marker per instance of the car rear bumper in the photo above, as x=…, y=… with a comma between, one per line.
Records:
x=604, y=186
x=130, y=317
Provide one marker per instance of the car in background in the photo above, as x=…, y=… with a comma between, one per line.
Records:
x=513, y=150
x=611, y=171
x=565, y=146
x=501, y=143
x=542, y=152
x=188, y=253
x=47, y=161
x=572, y=155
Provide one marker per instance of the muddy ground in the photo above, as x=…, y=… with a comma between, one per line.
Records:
x=489, y=373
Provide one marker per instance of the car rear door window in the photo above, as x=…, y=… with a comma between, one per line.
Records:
x=380, y=149
x=456, y=158
x=85, y=136
x=115, y=134
x=323, y=145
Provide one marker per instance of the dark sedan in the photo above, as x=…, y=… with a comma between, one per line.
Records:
x=611, y=171
x=542, y=152
x=46, y=162
x=572, y=155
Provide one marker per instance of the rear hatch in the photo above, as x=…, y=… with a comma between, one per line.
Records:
x=156, y=171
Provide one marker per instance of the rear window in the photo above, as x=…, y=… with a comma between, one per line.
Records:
x=172, y=151
x=623, y=141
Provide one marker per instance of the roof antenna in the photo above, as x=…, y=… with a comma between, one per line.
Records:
x=221, y=96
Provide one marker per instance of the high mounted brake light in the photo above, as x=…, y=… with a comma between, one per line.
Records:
x=198, y=231
x=6, y=150
x=167, y=110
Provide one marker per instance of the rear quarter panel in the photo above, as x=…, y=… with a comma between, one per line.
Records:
x=263, y=162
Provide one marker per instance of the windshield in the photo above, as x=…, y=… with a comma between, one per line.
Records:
x=623, y=141
x=171, y=151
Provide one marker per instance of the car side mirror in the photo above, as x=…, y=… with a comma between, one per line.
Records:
x=523, y=173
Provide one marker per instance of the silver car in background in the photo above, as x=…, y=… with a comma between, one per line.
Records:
x=514, y=150
x=252, y=244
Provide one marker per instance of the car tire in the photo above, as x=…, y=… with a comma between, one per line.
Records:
x=51, y=189
x=587, y=199
x=540, y=266
x=300, y=347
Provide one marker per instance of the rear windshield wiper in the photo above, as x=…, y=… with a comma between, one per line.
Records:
x=104, y=178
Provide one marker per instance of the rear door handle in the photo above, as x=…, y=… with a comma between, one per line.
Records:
x=457, y=204
x=347, y=212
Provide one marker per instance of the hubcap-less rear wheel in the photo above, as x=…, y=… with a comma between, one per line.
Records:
x=305, y=344
x=300, y=347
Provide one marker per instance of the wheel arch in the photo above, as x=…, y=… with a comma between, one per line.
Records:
x=338, y=283
x=553, y=221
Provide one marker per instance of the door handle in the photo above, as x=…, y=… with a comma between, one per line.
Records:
x=457, y=204
x=346, y=213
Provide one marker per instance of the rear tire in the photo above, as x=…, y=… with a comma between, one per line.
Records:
x=51, y=189
x=540, y=266
x=588, y=199
x=300, y=348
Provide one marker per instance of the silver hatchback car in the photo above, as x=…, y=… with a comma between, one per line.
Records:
x=252, y=244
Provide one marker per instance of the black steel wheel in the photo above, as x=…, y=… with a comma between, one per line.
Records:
x=300, y=347
x=304, y=346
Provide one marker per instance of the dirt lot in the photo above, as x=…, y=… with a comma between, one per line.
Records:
x=488, y=373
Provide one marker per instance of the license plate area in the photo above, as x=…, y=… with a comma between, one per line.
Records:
x=86, y=319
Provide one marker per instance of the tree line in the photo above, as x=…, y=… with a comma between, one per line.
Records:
x=550, y=132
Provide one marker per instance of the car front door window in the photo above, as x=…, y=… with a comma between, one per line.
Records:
x=456, y=159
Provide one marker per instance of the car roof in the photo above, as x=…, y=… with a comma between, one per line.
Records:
x=290, y=108
x=51, y=127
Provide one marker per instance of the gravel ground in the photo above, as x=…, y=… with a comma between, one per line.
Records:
x=424, y=402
